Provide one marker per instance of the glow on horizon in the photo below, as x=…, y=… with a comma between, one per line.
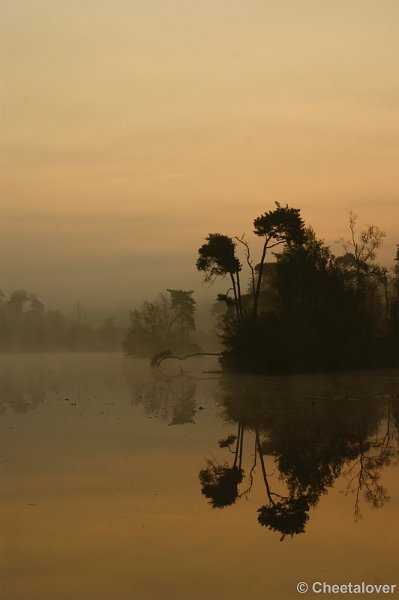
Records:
x=131, y=130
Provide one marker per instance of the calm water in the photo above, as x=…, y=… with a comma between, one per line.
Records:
x=119, y=483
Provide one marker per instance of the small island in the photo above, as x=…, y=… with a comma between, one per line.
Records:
x=307, y=310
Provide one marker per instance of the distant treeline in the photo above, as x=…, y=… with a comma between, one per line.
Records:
x=308, y=310
x=26, y=326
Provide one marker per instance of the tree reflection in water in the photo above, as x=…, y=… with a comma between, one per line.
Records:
x=169, y=398
x=313, y=430
x=21, y=390
x=220, y=481
x=363, y=475
x=305, y=432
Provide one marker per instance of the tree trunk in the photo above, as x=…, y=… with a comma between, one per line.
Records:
x=239, y=294
x=235, y=297
x=259, y=281
x=262, y=462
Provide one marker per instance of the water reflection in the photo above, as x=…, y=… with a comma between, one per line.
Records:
x=297, y=435
x=220, y=481
x=29, y=381
x=169, y=398
x=169, y=394
x=21, y=391
x=272, y=455
x=307, y=433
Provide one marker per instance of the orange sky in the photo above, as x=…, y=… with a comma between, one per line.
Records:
x=133, y=128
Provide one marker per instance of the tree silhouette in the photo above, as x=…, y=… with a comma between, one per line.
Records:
x=220, y=483
x=363, y=247
x=183, y=309
x=322, y=312
x=283, y=225
x=162, y=324
x=217, y=258
x=288, y=516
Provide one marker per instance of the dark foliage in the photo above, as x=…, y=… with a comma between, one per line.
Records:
x=217, y=257
x=227, y=442
x=314, y=315
x=220, y=484
x=288, y=516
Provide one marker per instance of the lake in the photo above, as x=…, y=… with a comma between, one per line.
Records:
x=122, y=482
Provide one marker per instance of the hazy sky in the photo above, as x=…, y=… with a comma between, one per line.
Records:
x=133, y=128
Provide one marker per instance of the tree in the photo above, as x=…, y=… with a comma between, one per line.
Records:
x=160, y=324
x=217, y=258
x=108, y=336
x=182, y=305
x=283, y=225
x=307, y=321
x=17, y=301
x=148, y=328
x=35, y=305
x=363, y=248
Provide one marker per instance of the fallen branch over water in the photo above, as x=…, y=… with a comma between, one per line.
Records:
x=157, y=359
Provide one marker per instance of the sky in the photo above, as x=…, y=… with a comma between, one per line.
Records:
x=131, y=129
